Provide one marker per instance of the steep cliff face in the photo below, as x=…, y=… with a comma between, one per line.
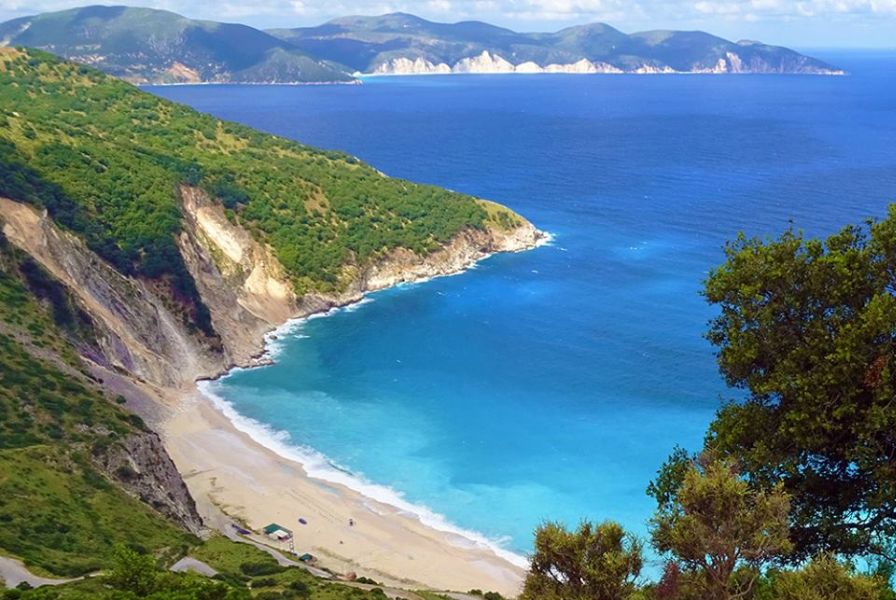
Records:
x=140, y=464
x=240, y=281
x=407, y=66
x=64, y=415
x=248, y=292
x=138, y=330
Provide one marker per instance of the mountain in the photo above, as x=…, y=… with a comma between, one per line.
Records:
x=144, y=45
x=403, y=43
x=144, y=245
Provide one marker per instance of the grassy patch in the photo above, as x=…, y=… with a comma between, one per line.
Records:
x=431, y=595
x=58, y=513
x=243, y=564
x=501, y=216
x=227, y=556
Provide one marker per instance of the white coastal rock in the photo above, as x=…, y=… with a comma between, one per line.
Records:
x=484, y=63
x=583, y=66
x=735, y=64
x=528, y=67
x=487, y=62
x=406, y=66
x=654, y=70
x=730, y=63
x=603, y=67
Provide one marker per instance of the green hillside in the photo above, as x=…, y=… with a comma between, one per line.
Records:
x=106, y=160
x=147, y=45
x=58, y=511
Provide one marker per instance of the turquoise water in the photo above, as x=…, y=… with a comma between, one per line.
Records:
x=551, y=384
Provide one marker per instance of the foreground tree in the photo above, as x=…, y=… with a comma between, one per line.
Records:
x=133, y=572
x=719, y=531
x=824, y=578
x=598, y=562
x=808, y=329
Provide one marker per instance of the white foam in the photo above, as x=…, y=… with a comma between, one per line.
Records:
x=547, y=239
x=320, y=467
x=356, y=305
x=274, y=340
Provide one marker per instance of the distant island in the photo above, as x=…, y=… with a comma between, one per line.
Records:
x=145, y=46
x=401, y=43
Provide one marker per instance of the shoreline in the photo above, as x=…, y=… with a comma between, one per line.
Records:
x=360, y=77
x=142, y=84
x=231, y=463
x=363, y=76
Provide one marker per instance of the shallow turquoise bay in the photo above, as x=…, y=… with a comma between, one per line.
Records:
x=551, y=384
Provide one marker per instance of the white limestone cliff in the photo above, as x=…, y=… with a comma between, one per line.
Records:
x=406, y=66
x=484, y=63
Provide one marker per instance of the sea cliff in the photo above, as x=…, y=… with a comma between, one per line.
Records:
x=493, y=63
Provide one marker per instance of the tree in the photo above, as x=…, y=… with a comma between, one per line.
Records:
x=808, y=328
x=717, y=529
x=598, y=562
x=824, y=578
x=133, y=572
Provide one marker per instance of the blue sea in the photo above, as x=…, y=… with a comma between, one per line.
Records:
x=551, y=384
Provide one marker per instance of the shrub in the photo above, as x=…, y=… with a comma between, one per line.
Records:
x=256, y=568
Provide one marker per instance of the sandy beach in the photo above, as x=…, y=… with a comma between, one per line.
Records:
x=227, y=470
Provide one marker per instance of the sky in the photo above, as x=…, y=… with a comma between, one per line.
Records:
x=800, y=24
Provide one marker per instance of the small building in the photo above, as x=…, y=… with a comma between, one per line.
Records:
x=277, y=532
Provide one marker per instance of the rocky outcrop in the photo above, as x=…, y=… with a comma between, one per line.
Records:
x=243, y=285
x=181, y=73
x=248, y=293
x=584, y=66
x=142, y=467
x=407, y=66
x=463, y=251
x=483, y=63
x=654, y=70
x=138, y=330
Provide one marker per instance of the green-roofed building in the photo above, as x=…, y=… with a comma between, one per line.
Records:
x=277, y=532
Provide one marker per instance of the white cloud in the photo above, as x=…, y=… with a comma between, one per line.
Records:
x=781, y=20
x=496, y=8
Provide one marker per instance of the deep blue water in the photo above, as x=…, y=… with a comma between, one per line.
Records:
x=551, y=384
